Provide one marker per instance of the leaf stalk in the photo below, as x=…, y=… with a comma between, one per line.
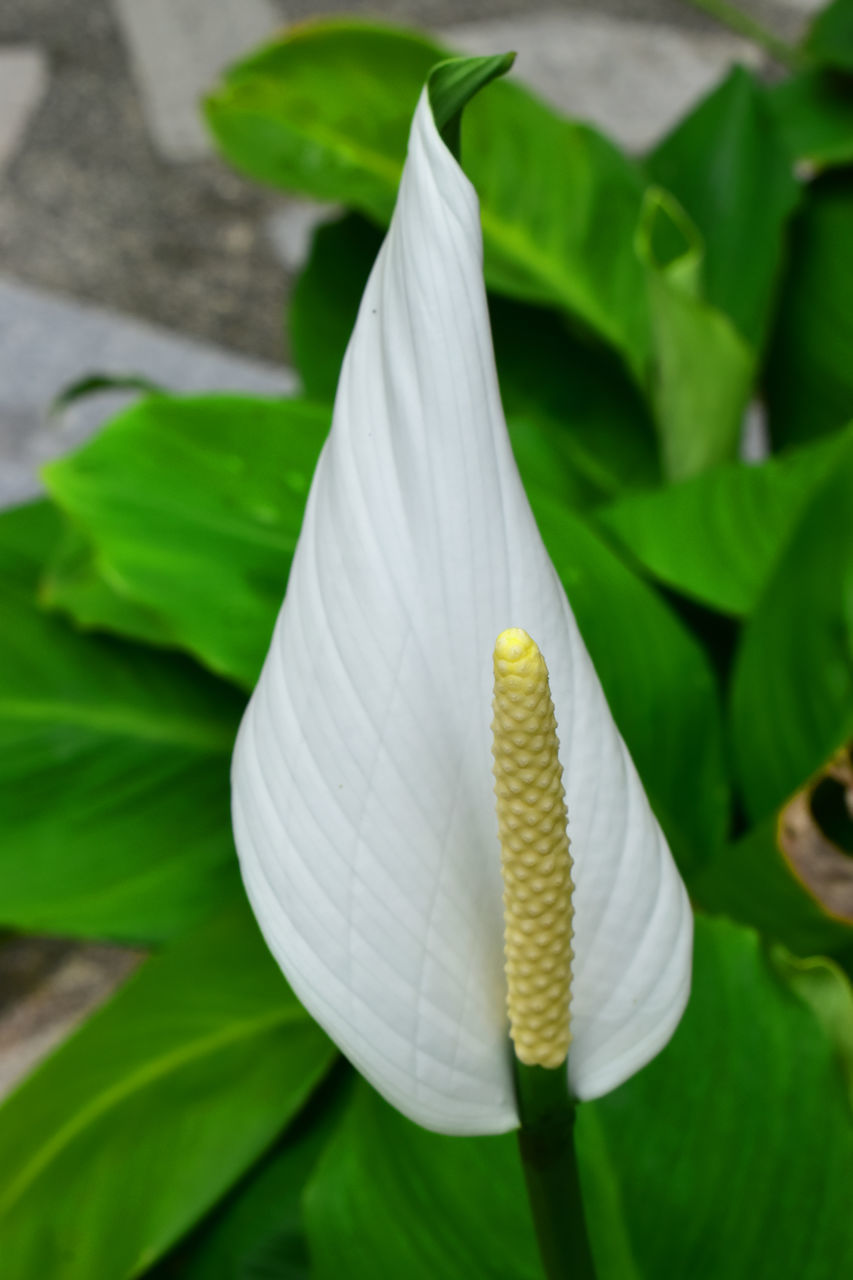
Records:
x=549, y=1159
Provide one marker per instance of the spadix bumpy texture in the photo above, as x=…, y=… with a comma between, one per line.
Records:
x=535, y=859
x=363, y=801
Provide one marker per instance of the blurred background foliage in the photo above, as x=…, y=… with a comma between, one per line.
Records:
x=200, y=1125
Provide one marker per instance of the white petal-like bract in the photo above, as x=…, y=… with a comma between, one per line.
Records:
x=363, y=805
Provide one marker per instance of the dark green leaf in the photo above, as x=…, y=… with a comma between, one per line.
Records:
x=255, y=1233
x=814, y=114
x=830, y=37
x=792, y=691
x=716, y=537
x=325, y=300
x=809, y=378
x=113, y=769
x=728, y=167
x=190, y=510
x=127, y=1135
x=392, y=1200
x=657, y=680
x=579, y=426
x=751, y=882
x=94, y=383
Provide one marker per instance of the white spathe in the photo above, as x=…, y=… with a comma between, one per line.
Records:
x=363, y=800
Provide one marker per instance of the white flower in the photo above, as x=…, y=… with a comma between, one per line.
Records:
x=363, y=800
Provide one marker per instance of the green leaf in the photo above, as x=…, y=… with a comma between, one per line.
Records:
x=128, y=1134
x=792, y=686
x=727, y=166
x=113, y=769
x=734, y=1148
x=703, y=370
x=728, y=1157
x=326, y=110
x=716, y=537
x=809, y=377
x=751, y=882
x=256, y=1231
x=390, y=1199
x=658, y=683
x=830, y=37
x=190, y=510
x=579, y=426
x=814, y=114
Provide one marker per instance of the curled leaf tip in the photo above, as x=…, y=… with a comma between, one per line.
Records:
x=452, y=85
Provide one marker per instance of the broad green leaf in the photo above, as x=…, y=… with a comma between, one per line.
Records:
x=190, y=510
x=814, y=114
x=128, y=1134
x=734, y=1148
x=255, y=1232
x=809, y=376
x=751, y=882
x=792, y=686
x=830, y=37
x=703, y=369
x=657, y=681
x=113, y=769
x=728, y=1157
x=326, y=110
x=727, y=166
x=572, y=408
x=716, y=537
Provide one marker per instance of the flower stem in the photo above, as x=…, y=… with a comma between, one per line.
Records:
x=546, y=1143
x=736, y=20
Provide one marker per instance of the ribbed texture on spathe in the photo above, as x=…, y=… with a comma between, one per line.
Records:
x=535, y=858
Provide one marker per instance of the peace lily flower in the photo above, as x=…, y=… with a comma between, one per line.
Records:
x=363, y=800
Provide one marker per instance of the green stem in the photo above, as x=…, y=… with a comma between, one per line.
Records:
x=546, y=1143
x=733, y=18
